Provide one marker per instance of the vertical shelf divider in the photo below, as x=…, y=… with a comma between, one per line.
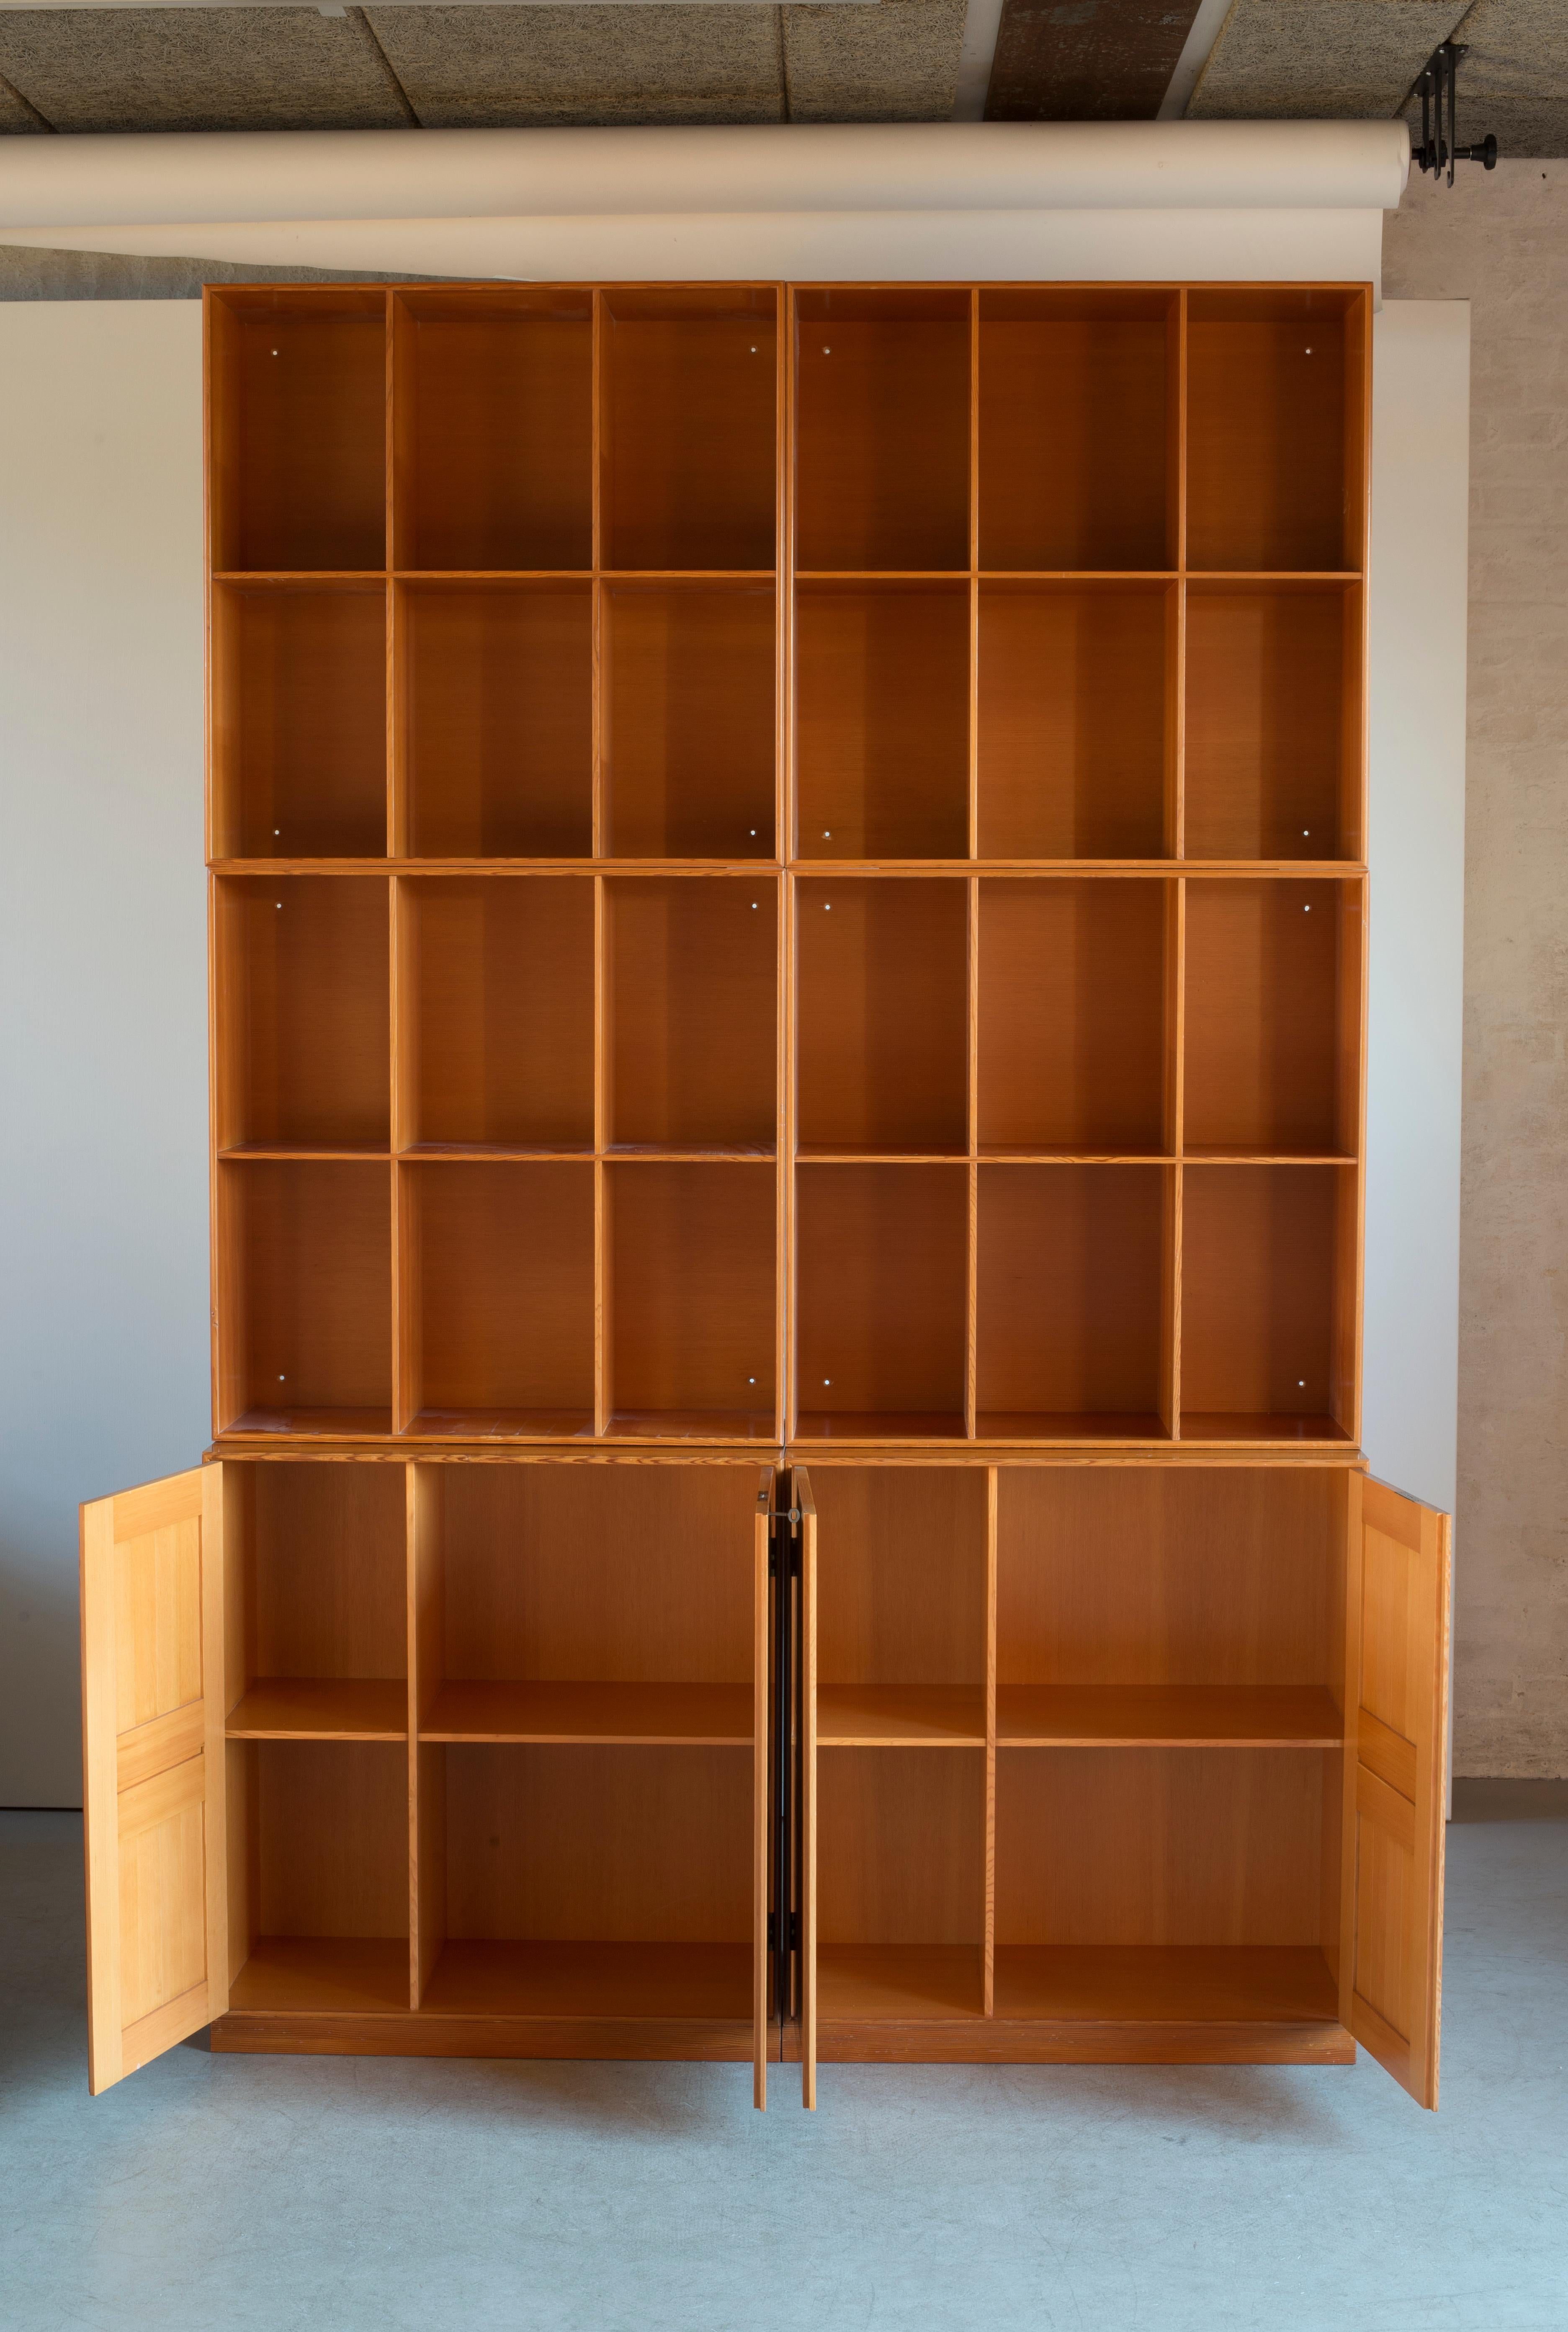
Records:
x=990, y=1931
x=416, y=1969
x=602, y=1389
x=404, y=1046
x=1175, y=1138
x=787, y=844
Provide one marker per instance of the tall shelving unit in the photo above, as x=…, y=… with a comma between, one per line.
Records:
x=789, y=894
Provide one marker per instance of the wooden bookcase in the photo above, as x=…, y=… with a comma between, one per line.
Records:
x=788, y=893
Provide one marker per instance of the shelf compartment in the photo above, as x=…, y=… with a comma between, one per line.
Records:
x=1076, y=719
x=1167, y=1716
x=692, y=975
x=692, y=1298
x=495, y=734
x=1273, y=757
x=1268, y=1275
x=882, y=983
x=1177, y=1599
x=690, y=377
x=299, y=720
x=1075, y=1008
x=690, y=695
x=545, y=1872
x=676, y=1715
x=882, y=1280
x=1077, y=429
x=1188, y=1848
x=619, y=1980
x=297, y=417
x=319, y=1708
x=323, y=1976
x=900, y=1883
x=315, y=1560
x=497, y=1296
x=303, y=1285
x=882, y=709
x=881, y=441
x=300, y=1004
x=318, y=1863
x=586, y=1603
x=901, y=1606
x=1275, y=429
x=1155, y=1984
x=496, y=981
x=1073, y=1302
x=493, y=428
x=1273, y=1017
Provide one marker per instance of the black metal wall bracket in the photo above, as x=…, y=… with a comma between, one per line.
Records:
x=1438, y=151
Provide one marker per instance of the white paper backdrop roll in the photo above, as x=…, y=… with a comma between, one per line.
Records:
x=1112, y=199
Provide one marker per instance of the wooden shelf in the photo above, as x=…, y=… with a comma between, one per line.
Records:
x=853, y=1427
x=900, y=1717
x=495, y=717
x=1273, y=745
x=300, y=1002
x=494, y=395
x=1197, y=1716
x=1077, y=428
x=693, y=1010
x=513, y=1424
x=881, y=458
x=881, y=1039
x=1069, y=1428
x=1268, y=1305
x=697, y=780
x=498, y=1261
x=1250, y=1984
x=693, y=1290
x=1275, y=428
x=497, y=1025
x=304, y=1287
x=1075, y=991
x=1076, y=719
x=898, y=1982
x=689, y=419
x=882, y=709
x=299, y=720
x=882, y=1279
x=1072, y=1309
x=296, y=453
x=639, y=1714
x=355, y=1975
x=320, y=1709
x=587, y=1978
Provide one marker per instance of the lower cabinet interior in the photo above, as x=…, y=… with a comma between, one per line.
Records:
x=493, y=1741
x=1079, y=1755
x=1075, y=1730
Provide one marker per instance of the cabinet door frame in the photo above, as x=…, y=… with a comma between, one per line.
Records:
x=152, y=1624
x=806, y=1507
x=1399, y=1565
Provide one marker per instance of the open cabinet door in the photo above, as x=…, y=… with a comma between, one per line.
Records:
x=806, y=1508
x=1398, y=1721
x=760, y=2023
x=152, y=1721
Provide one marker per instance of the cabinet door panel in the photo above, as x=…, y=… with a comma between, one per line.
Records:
x=804, y=1505
x=153, y=1768
x=1397, y=1722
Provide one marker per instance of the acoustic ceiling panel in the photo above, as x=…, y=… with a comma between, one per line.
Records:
x=1316, y=59
x=1090, y=60
x=895, y=63
x=108, y=69
x=517, y=68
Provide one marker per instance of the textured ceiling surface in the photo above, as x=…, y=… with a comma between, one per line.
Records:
x=286, y=68
x=454, y=67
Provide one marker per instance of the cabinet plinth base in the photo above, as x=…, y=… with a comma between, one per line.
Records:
x=1072, y=2041
x=701, y=2039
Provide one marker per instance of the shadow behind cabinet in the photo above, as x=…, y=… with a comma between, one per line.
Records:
x=788, y=989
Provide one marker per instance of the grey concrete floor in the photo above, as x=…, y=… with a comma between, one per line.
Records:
x=275, y=2194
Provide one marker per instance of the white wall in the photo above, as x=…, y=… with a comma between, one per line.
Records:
x=1416, y=851
x=103, y=1197
x=103, y=1203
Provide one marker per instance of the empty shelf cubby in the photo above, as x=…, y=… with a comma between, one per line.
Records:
x=691, y=744
x=299, y=720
